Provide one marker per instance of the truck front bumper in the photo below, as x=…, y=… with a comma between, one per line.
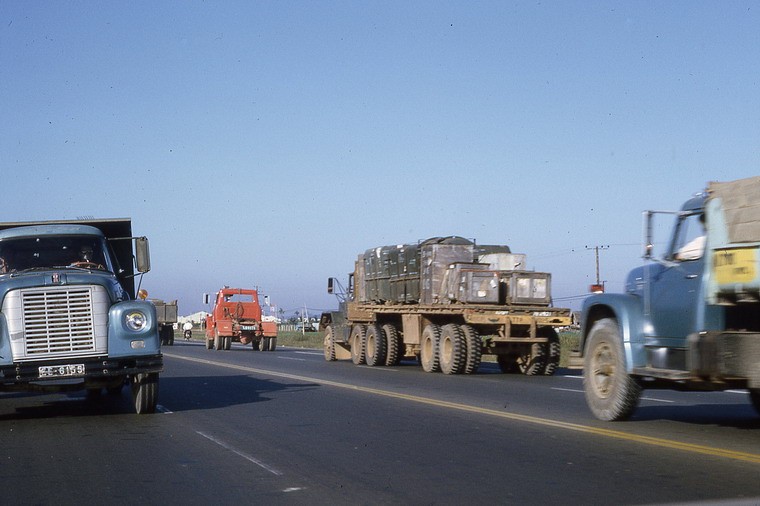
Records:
x=98, y=371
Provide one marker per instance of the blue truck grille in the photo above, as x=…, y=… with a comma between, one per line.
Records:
x=58, y=321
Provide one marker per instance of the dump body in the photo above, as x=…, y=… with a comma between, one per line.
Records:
x=446, y=301
x=166, y=314
x=237, y=316
x=69, y=316
x=691, y=319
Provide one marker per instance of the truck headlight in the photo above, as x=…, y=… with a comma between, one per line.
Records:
x=136, y=320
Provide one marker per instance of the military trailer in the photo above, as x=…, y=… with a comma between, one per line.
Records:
x=445, y=301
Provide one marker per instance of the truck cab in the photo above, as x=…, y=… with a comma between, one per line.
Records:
x=687, y=320
x=69, y=319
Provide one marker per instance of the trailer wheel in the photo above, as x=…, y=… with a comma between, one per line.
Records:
x=532, y=362
x=474, y=349
x=374, y=352
x=392, y=345
x=552, y=350
x=272, y=343
x=452, y=349
x=754, y=397
x=218, y=341
x=429, y=349
x=611, y=393
x=145, y=392
x=358, y=342
x=329, y=345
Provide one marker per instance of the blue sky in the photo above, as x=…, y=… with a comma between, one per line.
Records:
x=266, y=144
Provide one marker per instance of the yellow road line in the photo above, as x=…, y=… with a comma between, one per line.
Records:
x=653, y=441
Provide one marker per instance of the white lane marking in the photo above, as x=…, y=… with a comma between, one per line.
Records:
x=309, y=353
x=164, y=409
x=292, y=358
x=567, y=390
x=657, y=400
x=293, y=489
x=244, y=455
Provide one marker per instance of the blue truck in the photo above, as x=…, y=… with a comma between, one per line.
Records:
x=690, y=318
x=69, y=315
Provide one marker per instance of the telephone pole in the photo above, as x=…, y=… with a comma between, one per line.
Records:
x=599, y=286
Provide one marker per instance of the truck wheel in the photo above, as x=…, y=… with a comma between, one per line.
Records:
x=392, y=345
x=374, y=352
x=255, y=344
x=358, y=341
x=429, y=354
x=209, y=343
x=218, y=341
x=552, y=350
x=272, y=343
x=227, y=342
x=754, y=397
x=474, y=349
x=329, y=345
x=264, y=344
x=452, y=349
x=532, y=362
x=145, y=392
x=611, y=393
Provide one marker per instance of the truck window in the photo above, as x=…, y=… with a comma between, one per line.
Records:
x=44, y=252
x=689, y=241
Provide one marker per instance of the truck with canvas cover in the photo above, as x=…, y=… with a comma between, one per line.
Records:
x=69, y=319
x=689, y=319
x=237, y=316
x=445, y=301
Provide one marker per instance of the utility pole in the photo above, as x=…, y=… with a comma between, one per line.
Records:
x=598, y=287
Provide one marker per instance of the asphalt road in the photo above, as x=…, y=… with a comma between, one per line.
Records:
x=289, y=428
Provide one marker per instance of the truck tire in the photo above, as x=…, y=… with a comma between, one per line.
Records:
x=552, y=350
x=329, y=345
x=474, y=349
x=611, y=393
x=145, y=392
x=533, y=361
x=429, y=355
x=393, y=345
x=218, y=341
x=227, y=342
x=452, y=349
x=209, y=343
x=358, y=341
x=374, y=351
x=255, y=343
x=272, y=343
x=264, y=344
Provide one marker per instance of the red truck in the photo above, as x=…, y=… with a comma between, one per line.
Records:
x=237, y=316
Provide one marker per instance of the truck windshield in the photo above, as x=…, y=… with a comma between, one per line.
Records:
x=44, y=252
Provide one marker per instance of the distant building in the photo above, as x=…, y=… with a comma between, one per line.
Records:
x=195, y=318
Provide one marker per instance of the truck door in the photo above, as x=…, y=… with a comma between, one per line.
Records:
x=675, y=304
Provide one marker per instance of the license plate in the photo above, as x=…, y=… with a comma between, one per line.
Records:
x=60, y=371
x=247, y=327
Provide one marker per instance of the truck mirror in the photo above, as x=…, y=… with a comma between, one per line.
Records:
x=648, y=244
x=330, y=287
x=205, y=298
x=266, y=300
x=142, y=254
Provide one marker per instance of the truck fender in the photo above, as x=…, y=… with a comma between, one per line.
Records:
x=627, y=310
